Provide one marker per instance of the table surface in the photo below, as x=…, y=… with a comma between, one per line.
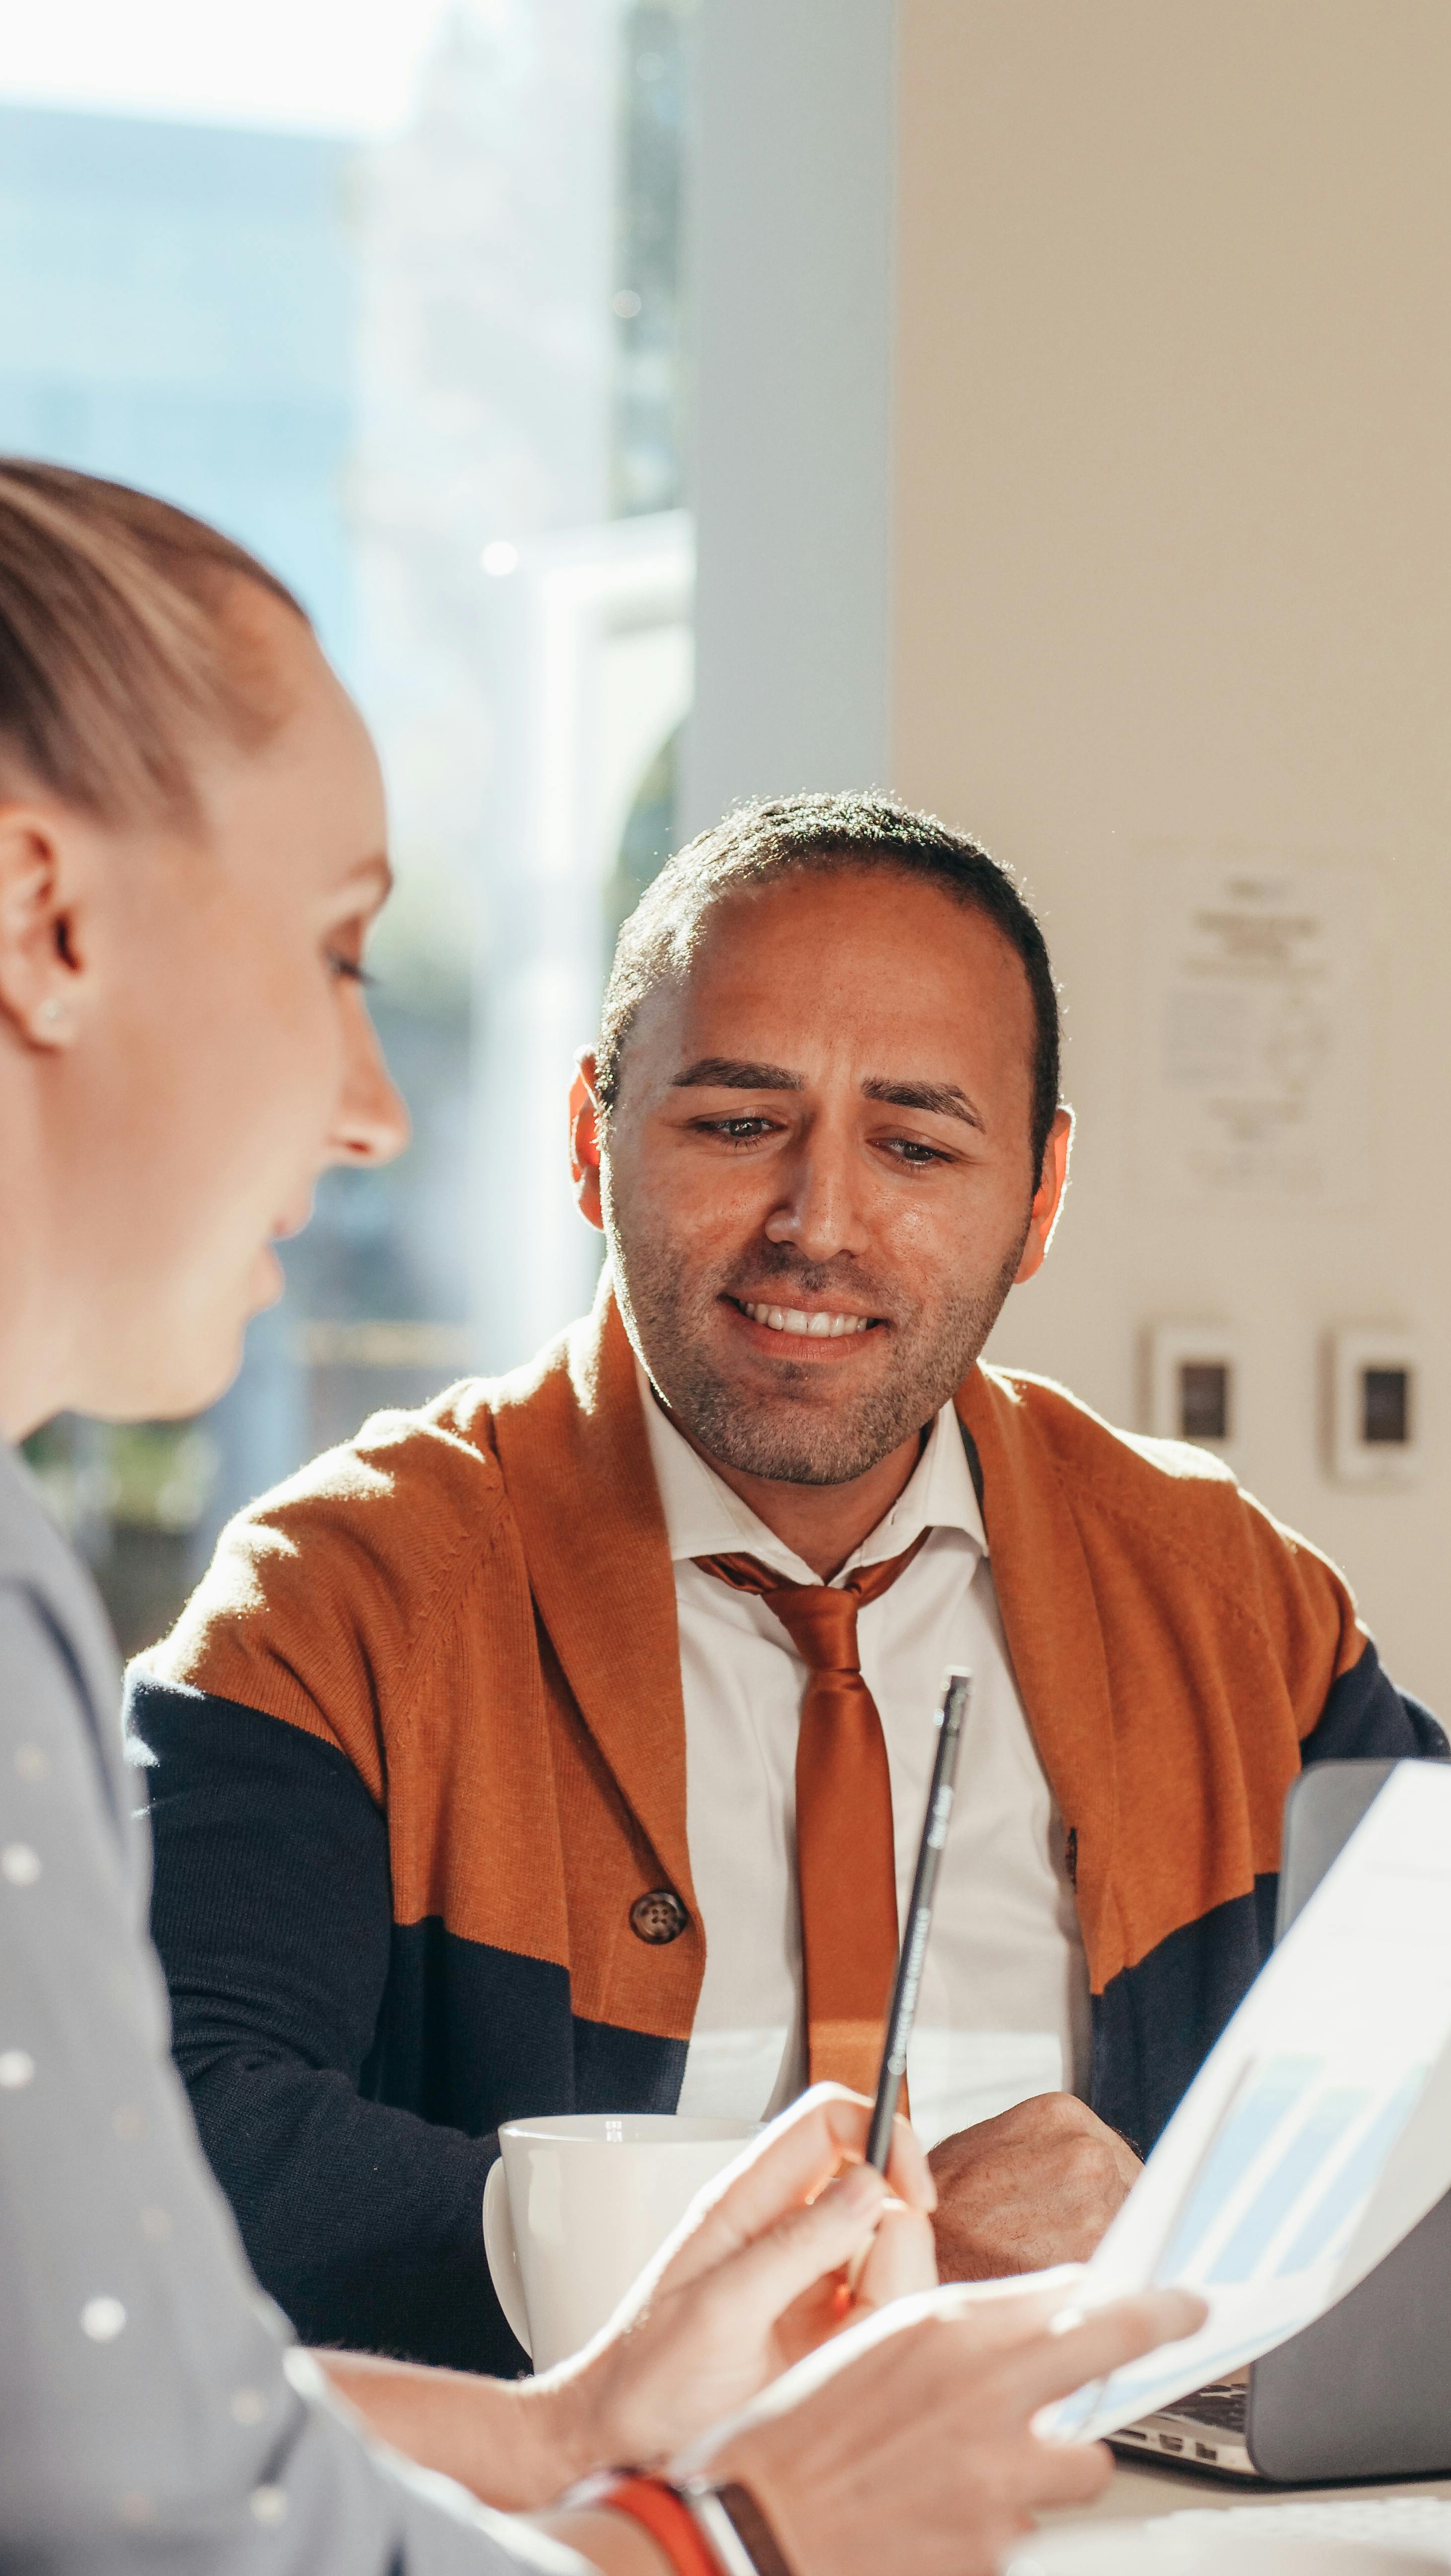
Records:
x=1136, y=2490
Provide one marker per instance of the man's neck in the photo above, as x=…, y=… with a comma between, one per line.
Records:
x=822, y=1524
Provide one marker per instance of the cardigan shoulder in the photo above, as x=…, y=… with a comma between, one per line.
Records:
x=1179, y=1517
x=329, y=1592
x=1123, y=1468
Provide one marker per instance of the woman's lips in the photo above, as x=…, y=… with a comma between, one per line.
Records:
x=270, y=1279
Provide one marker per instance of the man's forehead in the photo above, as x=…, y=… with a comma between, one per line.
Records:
x=896, y=965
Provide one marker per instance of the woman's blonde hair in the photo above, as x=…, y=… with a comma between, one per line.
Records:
x=121, y=647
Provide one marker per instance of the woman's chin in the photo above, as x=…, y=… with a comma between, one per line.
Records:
x=167, y=1367
x=205, y=1362
x=190, y=1381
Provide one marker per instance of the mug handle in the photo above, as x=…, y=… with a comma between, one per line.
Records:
x=503, y=2253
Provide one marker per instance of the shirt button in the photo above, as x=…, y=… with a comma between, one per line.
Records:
x=20, y=1864
x=30, y=1762
x=17, y=2066
x=269, y=2504
x=248, y=2406
x=659, y=1916
x=102, y=2319
x=128, y=2122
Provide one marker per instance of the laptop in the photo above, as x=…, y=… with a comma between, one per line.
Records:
x=1365, y=2392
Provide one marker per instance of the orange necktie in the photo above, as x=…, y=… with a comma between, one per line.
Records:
x=845, y=1853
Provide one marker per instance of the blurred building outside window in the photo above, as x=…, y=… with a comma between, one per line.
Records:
x=395, y=297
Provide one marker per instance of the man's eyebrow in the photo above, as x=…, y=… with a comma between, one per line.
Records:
x=939, y=1099
x=728, y=1073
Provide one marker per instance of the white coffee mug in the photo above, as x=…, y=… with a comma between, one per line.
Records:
x=576, y=2206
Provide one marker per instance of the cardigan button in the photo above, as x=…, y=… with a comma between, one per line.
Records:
x=658, y=1917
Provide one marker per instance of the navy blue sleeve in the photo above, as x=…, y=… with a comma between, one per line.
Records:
x=1155, y=2023
x=1366, y=1718
x=272, y=1912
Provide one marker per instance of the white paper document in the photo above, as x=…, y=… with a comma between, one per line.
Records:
x=1318, y=2131
x=1257, y=1028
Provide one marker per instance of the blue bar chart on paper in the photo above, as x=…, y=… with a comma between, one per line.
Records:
x=1288, y=2173
x=1318, y=2130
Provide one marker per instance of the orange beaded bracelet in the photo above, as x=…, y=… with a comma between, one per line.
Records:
x=660, y=2511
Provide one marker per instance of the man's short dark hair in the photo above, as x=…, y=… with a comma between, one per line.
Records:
x=759, y=844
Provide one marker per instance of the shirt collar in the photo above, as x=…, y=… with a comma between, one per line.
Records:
x=704, y=1518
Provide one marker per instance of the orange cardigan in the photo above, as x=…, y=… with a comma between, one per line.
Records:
x=475, y=1603
x=470, y=1611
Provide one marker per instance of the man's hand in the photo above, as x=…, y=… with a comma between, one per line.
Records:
x=1035, y=2187
x=910, y=2445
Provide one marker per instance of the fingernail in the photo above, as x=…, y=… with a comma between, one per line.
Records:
x=861, y=2187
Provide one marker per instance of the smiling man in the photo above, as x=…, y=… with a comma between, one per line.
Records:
x=564, y=1746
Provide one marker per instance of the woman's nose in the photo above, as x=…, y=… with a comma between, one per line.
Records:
x=372, y=1123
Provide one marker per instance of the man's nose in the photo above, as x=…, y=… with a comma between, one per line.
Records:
x=372, y=1124
x=817, y=1212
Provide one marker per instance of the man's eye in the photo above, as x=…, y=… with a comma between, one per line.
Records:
x=737, y=1131
x=908, y=1150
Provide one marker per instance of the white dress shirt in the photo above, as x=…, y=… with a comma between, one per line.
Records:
x=1003, y=2009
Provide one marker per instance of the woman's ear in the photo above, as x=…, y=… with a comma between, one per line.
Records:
x=584, y=1141
x=40, y=968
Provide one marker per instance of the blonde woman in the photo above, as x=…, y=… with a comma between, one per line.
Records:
x=192, y=852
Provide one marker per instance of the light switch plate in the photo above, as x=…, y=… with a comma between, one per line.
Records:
x=1194, y=1385
x=1374, y=1406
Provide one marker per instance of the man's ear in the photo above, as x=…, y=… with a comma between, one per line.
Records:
x=584, y=1141
x=41, y=973
x=1048, y=1197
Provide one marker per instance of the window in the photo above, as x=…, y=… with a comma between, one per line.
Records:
x=395, y=297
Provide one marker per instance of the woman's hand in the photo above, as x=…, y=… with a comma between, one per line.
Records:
x=910, y=2444
x=797, y=2241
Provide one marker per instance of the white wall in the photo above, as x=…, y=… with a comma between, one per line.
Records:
x=1171, y=511
x=1118, y=457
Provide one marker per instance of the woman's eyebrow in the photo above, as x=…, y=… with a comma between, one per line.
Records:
x=728, y=1073
x=939, y=1099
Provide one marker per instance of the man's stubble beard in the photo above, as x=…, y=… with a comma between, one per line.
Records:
x=765, y=1434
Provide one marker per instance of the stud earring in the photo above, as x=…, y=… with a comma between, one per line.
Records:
x=51, y=1013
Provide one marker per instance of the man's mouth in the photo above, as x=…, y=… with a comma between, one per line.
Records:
x=819, y=1324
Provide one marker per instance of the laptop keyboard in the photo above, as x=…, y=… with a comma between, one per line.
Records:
x=1407, y=2522
x=1223, y=2404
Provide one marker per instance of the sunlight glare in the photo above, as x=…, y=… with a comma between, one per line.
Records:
x=320, y=66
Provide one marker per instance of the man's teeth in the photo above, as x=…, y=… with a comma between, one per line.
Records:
x=821, y=1326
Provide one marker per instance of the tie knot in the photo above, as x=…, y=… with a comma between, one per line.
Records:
x=819, y=1618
